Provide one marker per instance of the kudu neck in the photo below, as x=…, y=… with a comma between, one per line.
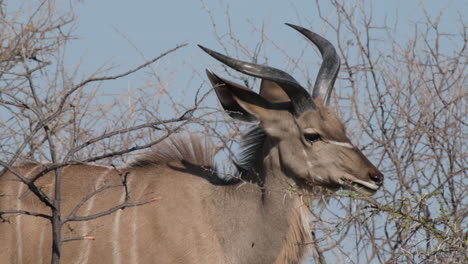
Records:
x=273, y=175
x=273, y=217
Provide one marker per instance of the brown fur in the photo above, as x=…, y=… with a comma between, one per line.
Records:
x=195, y=216
x=191, y=221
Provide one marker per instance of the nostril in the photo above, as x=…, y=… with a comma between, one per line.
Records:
x=377, y=178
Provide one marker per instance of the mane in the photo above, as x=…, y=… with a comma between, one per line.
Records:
x=194, y=154
x=191, y=149
x=251, y=148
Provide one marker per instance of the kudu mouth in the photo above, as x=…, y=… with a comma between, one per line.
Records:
x=363, y=187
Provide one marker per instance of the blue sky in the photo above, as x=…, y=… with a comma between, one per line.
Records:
x=109, y=31
x=122, y=34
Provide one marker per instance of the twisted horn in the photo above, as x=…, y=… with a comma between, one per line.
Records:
x=301, y=99
x=330, y=65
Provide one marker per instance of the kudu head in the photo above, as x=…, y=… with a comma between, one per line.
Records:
x=310, y=139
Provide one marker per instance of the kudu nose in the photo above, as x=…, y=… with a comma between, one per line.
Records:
x=377, y=177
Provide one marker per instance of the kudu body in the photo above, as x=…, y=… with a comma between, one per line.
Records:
x=256, y=217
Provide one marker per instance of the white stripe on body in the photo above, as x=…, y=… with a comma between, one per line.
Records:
x=40, y=248
x=115, y=234
x=133, y=234
x=84, y=257
x=19, y=217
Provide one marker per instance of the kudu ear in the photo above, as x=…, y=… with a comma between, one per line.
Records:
x=242, y=103
x=226, y=98
x=273, y=92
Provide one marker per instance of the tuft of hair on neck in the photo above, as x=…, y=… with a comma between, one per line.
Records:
x=178, y=148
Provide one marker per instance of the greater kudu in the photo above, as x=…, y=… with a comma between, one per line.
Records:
x=256, y=217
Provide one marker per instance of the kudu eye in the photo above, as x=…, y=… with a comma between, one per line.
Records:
x=312, y=137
